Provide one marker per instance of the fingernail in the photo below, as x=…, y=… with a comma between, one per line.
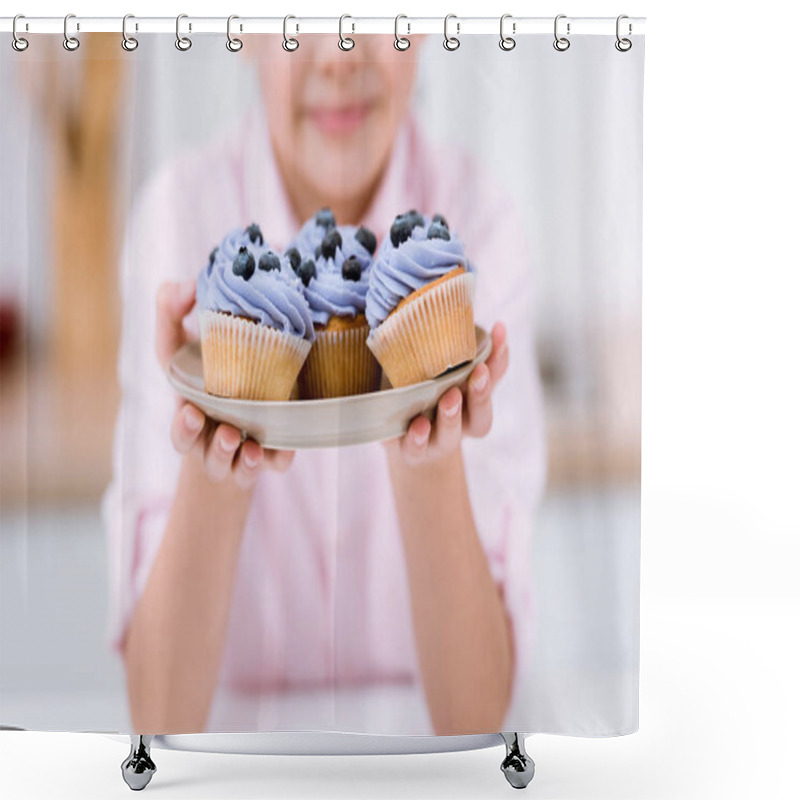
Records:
x=194, y=419
x=420, y=439
x=480, y=382
x=227, y=445
x=250, y=459
x=187, y=287
x=452, y=410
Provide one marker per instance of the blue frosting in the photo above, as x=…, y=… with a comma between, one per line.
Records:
x=274, y=298
x=400, y=271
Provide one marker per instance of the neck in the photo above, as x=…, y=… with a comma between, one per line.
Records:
x=305, y=200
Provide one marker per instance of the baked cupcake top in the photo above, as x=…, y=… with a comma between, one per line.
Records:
x=417, y=251
x=246, y=278
x=336, y=281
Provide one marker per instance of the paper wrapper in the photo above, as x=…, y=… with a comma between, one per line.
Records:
x=340, y=364
x=429, y=333
x=247, y=360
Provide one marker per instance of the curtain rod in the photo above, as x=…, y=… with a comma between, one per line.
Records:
x=460, y=26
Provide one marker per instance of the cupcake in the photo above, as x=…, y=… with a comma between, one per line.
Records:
x=335, y=286
x=255, y=323
x=419, y=302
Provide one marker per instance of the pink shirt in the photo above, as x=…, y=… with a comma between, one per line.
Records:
x=321, y=597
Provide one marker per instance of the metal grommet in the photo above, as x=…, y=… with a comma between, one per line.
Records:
x=183, y=43
x=18, y=42
x=345, y=42
x=507, y=42
x=400, y=42
x=233, y=44
x=70, y=43
x=623, y=44
x=451, y=42
x=129, y=43
x=561, y=43
x=289, y=44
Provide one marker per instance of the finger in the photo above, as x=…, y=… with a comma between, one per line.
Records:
x=414, y=445
x=220, y=452
x=187, y=425
x=278, y=460
x=173, y=302
x=248, y=464
x=498, y=359
x=447, y=433
x=478, y=412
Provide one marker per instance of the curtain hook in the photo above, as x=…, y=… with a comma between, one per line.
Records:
x=70, y=43
x=289, y=44
x=18, y=42
x=129, y=43
x=561, y=43
x=507, y=42
x=183, y=43
x=451, y=42
x=233, y=44
x=345, y=42
x=623, y=44
x=400, y=42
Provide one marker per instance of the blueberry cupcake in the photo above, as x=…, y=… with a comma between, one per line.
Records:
x=335, y=284
x=255, y=323
x=419, y=302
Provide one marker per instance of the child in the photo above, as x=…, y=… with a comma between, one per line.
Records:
x=259, y=571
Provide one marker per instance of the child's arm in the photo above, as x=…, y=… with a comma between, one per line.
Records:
x=463, y=635
x=175, y=640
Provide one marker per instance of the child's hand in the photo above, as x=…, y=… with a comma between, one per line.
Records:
x=220, y=446
x=460, y=412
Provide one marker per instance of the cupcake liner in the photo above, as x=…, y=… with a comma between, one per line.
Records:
x=247, y=360
x=340, y=364
x=429, y=333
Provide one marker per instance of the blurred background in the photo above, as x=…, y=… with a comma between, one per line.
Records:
x=81, y=132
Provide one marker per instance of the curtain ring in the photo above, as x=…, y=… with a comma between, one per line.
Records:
x=623, y=44
x=561, y=43
x=19, y=43
x=400, y=42
x=451, y=42
x=233, y=44
x=129, y=43
x=70, y=43
x=507, y=42
x=289, y=44
x=183, y=43
x=345, y=42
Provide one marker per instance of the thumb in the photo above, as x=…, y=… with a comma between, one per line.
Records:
x=174, y=301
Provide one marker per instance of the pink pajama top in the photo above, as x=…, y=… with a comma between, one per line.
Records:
x=321, y=601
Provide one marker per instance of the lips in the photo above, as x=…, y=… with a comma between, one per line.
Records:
x=340, y=120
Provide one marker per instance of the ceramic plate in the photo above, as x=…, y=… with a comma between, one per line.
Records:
x=335, y=422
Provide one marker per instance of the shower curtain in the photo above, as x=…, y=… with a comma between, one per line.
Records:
x=227, y=272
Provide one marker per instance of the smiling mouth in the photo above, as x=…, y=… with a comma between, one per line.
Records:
x=343, y=120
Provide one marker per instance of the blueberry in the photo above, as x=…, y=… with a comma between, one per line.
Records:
x=366, y=238
x=441, y=220
x=438, y=231
x=269, y=261
x=325, y=219
x=307, y=271
x=415, y=218
x=400, y=232
x=254, y=232
x=318, y=251
x=244, y=265
x=213, y=257
x=351, y=269
x=293, y=254
x=332, y=240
